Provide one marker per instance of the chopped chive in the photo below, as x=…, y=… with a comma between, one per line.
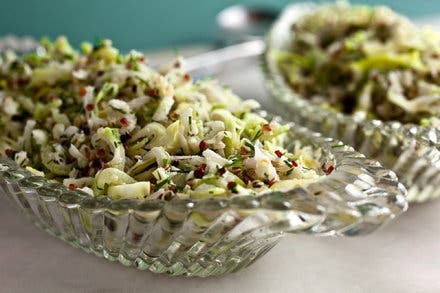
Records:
x=182, y=171
x=118, y=110
x=162, y=183
x=249, y=145
x=141, y=79
x=235, y=161
x=98, y=42
x=288, y=163
x=257, y=135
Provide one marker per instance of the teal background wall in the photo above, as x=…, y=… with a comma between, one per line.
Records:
x=142, y=24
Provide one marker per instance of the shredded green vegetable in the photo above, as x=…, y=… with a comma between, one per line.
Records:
x=108, y=124
x=367, y=61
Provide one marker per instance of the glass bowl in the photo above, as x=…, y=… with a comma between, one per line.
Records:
x=213, y=236
x=410, y=150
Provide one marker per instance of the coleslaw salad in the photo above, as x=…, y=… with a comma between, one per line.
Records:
x=109, y=124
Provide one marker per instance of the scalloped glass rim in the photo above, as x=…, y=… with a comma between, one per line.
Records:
x=213, y=236
x=412, y=151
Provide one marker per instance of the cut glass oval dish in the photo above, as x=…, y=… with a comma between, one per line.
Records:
x=213, y=236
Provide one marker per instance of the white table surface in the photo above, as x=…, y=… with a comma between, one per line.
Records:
x=401, y=257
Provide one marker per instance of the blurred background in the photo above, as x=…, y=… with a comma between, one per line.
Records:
x=144, y=24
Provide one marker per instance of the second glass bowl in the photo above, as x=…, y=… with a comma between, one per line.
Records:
x=412, y=151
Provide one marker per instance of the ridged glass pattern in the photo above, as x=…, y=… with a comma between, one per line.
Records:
x=213, y=236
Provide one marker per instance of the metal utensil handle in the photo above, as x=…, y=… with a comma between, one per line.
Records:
x=18, y=44
x=226, y=54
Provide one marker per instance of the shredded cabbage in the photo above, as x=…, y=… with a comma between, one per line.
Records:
x=110, y=125
x=364, y=60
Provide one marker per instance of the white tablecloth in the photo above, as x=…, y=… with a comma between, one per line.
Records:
x=402, y=257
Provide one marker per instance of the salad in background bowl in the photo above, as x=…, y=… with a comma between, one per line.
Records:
x=168, y=174
x=365, y=75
